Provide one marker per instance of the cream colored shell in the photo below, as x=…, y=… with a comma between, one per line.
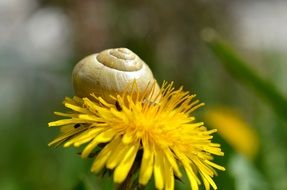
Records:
x=110, y=72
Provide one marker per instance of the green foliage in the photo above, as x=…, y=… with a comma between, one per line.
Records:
x=241, y=70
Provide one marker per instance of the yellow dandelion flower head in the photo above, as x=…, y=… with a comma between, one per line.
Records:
x=234, y=129
x=161, y=136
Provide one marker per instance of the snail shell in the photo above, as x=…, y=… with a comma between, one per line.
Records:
x=110, y=72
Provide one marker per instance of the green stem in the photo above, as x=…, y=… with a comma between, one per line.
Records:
x=240, y=70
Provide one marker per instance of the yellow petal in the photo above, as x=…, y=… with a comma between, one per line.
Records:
x=168, y=176
x=65, y=114
x=117, y=155
x=146, y=165
x=206, y=184
x=65, y=136
x=215, y=165
x=192, y=177
x=209, y=179
x=235, y=130
x=106, y=136
x=67, y=128
x=88, y=149
x=100, y=138
x=159, y=170
x=194, y=181
x=124, y=167
x=171, y=159
x=90, y=117
x=103, y=156
x=128, y=137
x=76, y=108
x=87, y=136
x=66, y=122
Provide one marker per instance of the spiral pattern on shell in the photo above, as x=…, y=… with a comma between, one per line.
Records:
x=109, y=73
x=121, y=59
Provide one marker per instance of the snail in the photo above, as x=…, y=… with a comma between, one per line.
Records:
x=110, y=72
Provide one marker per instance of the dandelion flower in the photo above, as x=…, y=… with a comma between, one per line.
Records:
x=163, y=136
x=234, y=129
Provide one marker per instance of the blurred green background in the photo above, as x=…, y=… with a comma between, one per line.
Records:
x=232, y=54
